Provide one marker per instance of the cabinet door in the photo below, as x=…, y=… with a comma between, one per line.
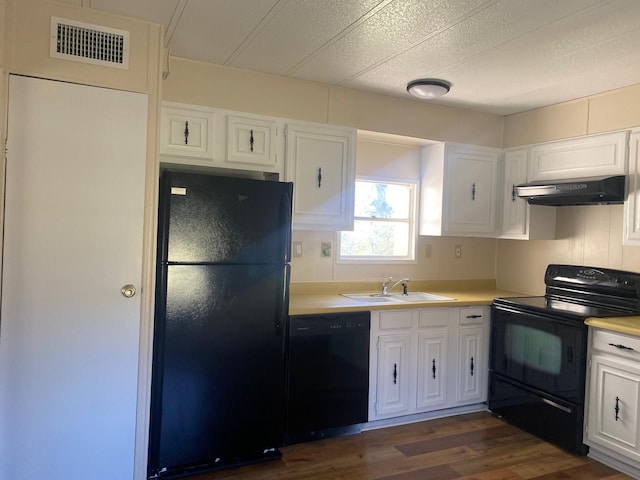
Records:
x=432, y=369
x=514, y=208
x=320, y=161
x=394, y=375
x=632, y=204
x=470, y=365
x=188, y=132
x=471, y=191
x=614, y=399
x=253, y=142
x=592, y=156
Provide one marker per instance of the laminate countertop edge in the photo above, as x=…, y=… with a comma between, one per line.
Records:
x=627, y=325
x=328, y=302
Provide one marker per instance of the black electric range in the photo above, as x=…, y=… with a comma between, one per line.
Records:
x=539, y=348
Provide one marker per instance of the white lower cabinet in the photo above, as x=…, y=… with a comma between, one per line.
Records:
x=394, y=374
x=427, y=359
x=433, y=347
x=612, y=428
x=470, y=359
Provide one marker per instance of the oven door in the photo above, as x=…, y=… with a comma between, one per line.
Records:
x=540, y=351
x=537, y=374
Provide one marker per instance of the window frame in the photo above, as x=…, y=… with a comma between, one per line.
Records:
x=412, y=222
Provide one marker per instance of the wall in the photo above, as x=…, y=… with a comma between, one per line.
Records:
x=218, y=86
x=585, y=235
x=397, y=159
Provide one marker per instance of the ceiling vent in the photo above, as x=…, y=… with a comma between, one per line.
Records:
x=86, y=43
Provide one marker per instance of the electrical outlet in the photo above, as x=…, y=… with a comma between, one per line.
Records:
x=325, y=249
x=458, y=251
x=297, y=249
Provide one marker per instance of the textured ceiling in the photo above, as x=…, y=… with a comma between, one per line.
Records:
x=500, y=56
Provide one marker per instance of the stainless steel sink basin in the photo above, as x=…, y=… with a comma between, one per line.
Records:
x=416, y=297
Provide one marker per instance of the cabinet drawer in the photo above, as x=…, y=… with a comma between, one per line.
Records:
x=472, y=315
x=619, y=344
x=436, y=317
x=396, y=320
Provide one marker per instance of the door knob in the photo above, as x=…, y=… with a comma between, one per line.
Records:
x=128, y=290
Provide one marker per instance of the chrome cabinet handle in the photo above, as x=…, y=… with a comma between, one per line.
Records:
x=186, y=133
x=472, y=366
x=319, y=177
x=617, y=408
x=513, y=193
x=473, y=191
x=395, y=373
x=433, y=368
x=251, y=140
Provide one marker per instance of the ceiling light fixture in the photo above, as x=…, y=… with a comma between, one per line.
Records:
x=428, y=88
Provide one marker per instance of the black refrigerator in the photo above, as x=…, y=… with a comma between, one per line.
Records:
x=217, y=396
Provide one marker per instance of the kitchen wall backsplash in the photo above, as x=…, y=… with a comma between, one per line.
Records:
x=585, y=236
x=477, y=262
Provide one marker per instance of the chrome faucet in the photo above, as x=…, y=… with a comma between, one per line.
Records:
x=386, y=288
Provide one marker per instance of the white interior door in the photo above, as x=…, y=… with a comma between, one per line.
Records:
x=73, y=238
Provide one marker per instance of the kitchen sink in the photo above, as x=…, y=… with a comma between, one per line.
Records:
x=421, y=297
x=372, y=297
x=417, y=297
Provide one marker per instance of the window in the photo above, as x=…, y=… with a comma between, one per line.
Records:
x=384, y=225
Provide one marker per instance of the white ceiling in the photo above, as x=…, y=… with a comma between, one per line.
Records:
x=500, y=56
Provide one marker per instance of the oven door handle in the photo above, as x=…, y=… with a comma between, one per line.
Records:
x=556, y=405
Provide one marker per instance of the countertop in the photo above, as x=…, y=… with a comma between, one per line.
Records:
x=628, y=325
x=325, y=297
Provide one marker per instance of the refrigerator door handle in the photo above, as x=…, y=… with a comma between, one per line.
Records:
x=283, y=305
x=285, y=222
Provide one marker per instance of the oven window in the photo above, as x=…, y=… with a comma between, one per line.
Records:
x=533, y=348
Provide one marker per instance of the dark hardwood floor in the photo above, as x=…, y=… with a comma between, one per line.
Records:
x=474, y=446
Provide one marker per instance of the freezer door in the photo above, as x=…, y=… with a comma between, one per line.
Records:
x=218, y=372
x=213, y=219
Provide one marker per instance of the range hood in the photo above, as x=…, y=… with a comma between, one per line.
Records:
x=581, y=191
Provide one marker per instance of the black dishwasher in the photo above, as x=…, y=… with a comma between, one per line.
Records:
x=327, y=375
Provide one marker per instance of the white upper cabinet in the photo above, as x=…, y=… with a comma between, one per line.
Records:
x=189, y=131
x=254, y=141
x=320, y=161
x=209, y=137
x=632, y=204
x=459, y=190
x=592, y=156
x=521, y=221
